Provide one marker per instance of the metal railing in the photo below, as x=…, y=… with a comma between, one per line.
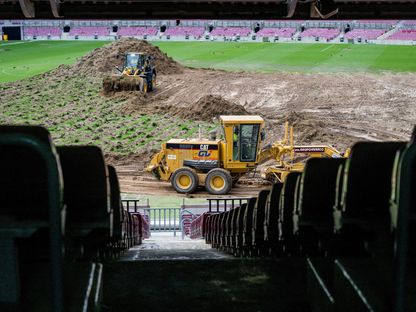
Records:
x=159, y=219
x=224, y=204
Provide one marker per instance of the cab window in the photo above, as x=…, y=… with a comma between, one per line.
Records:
x=236, y=142
x=249, y=135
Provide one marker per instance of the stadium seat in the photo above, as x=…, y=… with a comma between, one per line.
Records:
x=228, y=230
x=238, y=236
x=314, y=225
x=258, y=223
x=313, y=211
x=31, y=215
x=271, y=220
x=366, y=193
x=286, y=207
x=117, y=208
x=405, y=230
x=87, y=197
x=223, y=229
x=233, y=230
x=366, y=218
x=247, y=233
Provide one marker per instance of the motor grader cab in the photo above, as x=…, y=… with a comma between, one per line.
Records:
x=215, y=164
x=137, y=74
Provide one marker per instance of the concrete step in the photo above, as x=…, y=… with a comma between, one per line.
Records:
x=206, y=285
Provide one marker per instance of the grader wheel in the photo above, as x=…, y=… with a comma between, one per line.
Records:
x=218, y=181
x=184, y=180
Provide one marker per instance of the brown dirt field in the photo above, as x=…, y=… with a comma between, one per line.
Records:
x=336, y=109
x=326, y=108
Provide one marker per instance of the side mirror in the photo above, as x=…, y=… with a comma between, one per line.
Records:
x=262, y=135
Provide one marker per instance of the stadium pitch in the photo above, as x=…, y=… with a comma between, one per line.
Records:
x=370, y=96
x=19, y=60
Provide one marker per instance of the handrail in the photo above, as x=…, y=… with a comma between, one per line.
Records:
x=183, y=220
x=55, y=204
x=406, y=172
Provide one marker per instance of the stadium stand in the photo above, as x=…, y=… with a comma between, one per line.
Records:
x=42, y=31
x=185, y=31
x=40, y=224
x=231, y=31
x=368, y=34
x=353, y=221
x=358, y=256
x=335, y=31
x=325, y=33
x=137, y=31
x=280, y=32
x=404, y=34
x=89, y=31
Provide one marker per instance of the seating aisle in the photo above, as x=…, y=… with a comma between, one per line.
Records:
x=166, y=246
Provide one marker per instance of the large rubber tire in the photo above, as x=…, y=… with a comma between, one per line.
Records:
x=143, y=86
x=152, y=85
x=184, y=180
x=218, y=182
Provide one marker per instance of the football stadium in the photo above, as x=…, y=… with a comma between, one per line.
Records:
x=207, y=155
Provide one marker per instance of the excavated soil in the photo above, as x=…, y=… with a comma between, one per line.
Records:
x=106, y=58
x=324, y=108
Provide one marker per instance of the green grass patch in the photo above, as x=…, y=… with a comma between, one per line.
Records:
x=303, y=57
x=22, y=59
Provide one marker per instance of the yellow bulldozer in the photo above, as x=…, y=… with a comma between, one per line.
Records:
x=137, y=74
x=217, y=164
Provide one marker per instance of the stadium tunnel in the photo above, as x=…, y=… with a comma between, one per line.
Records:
x=12, y=32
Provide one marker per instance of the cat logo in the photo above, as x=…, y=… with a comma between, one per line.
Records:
x=204, y=154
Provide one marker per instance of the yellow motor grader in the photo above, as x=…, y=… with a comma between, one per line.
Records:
x=217, y=164
x=137, y=74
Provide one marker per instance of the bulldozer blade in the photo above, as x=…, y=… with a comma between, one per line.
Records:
x=122, y=83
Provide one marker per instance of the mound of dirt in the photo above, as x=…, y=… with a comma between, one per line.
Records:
x=306, y=129
x=210, y=106
x=106, y=58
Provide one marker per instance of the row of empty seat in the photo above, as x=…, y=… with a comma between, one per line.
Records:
x=60, y=213
x=353, y=220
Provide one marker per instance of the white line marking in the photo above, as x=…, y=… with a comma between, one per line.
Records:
x=327, y=48
x=11, y=43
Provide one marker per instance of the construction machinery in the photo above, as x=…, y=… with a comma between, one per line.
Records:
x=137, y=74
x=217, y=164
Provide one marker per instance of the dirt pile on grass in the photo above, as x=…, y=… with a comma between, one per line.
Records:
x=210, y=106
x=106, y=58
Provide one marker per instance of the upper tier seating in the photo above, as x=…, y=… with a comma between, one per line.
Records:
x=326, y=33
x=274, y=32
x=368, y=34
x=42, y=31
x=137, y=31
x=231, y=31
x=184, y=31
x=89, y=31
x=403, y=34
